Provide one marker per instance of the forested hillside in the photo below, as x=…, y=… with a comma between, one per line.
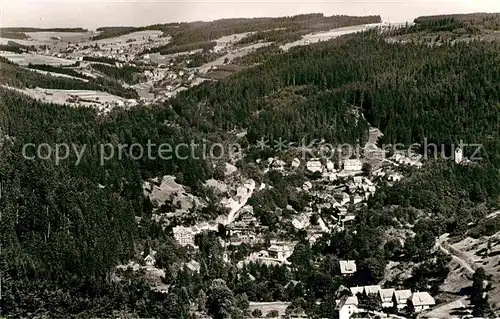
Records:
x=64, y=227
x=453, y=27
x=13, y=75
x=446, y=93
x=60, y=229
x=22, y=29
x=199, y=35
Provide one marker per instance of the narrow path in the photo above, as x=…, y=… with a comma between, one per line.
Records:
x=492, y=215
x=444, y=247
x=235, y=206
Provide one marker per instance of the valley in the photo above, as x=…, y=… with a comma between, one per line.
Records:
x=307, y=166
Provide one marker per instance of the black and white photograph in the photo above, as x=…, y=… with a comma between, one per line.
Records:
x=243, y=159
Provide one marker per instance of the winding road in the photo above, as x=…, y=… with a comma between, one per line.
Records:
x=446, y=249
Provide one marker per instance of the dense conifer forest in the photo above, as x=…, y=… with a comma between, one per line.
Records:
x=127, y=74
x=58, y=69
x=200, y=35
x=13, y=75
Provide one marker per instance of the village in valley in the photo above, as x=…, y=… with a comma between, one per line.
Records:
x=336, y=190
x=295, y=231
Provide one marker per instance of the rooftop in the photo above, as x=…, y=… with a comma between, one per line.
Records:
x=386, y=294
x=402, y=295
x=422, y=299
x=373, y=289
x=347, y=266
x=347, y=301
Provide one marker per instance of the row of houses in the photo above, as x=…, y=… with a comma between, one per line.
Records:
x=415, y=302
x=316, y=165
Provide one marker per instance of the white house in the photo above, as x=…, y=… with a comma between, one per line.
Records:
x=420, y=301
x=400, y=299
x=278, y=165
x=313, y=239
x=375, y=154
x=330, y=166
x=335, y=203
x=150, y=260
x=194, y=266
x=386, y=296
x=395, y=177
x=357, y=199
x=185, y=235
x=301, y=221
x=352, y=187
x=358, y=180
x=353, y=165
x=459, y=155
x=347, y=218
x=314, y=166
x=357, y=290
x=332, y=177
x=347, y=267
x=280, y=252
x=375, y=290
x=347, y=306
x=342, y=211
x=307, y=186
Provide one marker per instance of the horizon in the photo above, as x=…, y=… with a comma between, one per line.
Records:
x=76, y=13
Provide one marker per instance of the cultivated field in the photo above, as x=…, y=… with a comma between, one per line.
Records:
x=143, y=90
x=225, y=41
x=328, y=35
x=4, y=41
x=135, y=38
x=102, y=101
x=58, y=75
x=27, y=58
x=241, y=52
x=52, y=37
x=267, y=307
x=484, y=252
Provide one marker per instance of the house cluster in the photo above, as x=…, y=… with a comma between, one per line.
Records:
x=185, y=235
x=301, y=221
x=327, y=171
x=410, y=160
x=337, y=188
x=326, y=168
x=388, y=298
x=337, y=203
x=276, y=254
x=119, y=48
x=156, y=75
x=244, y=231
